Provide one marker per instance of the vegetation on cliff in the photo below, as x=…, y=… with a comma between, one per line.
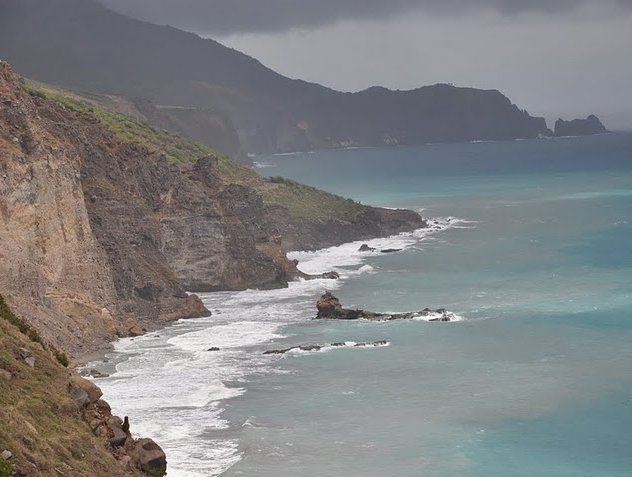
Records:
x=107, y=221
x=44, y=427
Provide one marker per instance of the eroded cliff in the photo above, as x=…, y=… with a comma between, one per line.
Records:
x=105, y=223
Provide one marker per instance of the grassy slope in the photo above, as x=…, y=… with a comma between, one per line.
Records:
x=39, y=422
x=301, y=201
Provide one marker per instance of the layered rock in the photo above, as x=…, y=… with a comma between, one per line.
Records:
x=579, y=127
x=102, y=235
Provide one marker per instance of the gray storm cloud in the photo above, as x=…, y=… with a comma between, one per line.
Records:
x=243, y=16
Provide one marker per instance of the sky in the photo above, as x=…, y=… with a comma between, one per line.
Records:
x=555, y=58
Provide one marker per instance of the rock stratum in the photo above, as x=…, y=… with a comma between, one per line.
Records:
x=105, y=222
x=217, y=95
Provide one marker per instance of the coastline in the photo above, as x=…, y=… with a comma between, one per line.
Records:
x=242, y=327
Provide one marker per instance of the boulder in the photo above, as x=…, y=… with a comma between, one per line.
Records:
x=82, y=389
x=80, y=397
x=331, y=275
x=118, y=437
x=6, y=454
x=150, y=458
x=26, y=356
x=365, y=248
x=213, y=348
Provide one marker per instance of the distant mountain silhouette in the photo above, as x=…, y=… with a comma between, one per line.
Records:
x=580, y=127
x=82, y=45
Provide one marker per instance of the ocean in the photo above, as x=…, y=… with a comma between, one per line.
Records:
x=531, y=247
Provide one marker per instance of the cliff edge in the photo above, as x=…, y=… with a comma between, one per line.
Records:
x=106, y=222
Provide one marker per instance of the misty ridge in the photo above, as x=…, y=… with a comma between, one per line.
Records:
x=199, y=88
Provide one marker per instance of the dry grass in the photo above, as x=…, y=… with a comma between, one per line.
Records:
x=39, y=422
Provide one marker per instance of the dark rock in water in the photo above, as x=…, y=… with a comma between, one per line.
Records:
x=365, y=248
x=329, y=307
x=310, y=348
x=333, y=345
x=277, y=351
x=214, y=348
x=391, y=250
x=331, y=275
x=150, y=458
x=579, y=127
x=94, y=373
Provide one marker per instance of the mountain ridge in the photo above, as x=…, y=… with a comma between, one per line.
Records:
x=82, y=45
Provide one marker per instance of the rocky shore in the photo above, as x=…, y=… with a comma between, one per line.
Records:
x=53, y=422
x=108, y=222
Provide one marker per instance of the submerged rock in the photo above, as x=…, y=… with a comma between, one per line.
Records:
x=391, y=250
x=329, y=307
x=365, y=248
x=332, y=345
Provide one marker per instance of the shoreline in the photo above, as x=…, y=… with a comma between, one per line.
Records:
x=243, y=323
x=82, y=361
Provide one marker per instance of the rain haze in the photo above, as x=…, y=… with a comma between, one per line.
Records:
x=555, y=58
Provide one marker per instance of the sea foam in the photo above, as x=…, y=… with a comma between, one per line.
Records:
x=173, y=383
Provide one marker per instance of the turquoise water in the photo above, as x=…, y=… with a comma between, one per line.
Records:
x=535, y=381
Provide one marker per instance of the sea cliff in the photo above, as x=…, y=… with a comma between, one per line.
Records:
x=107, y=222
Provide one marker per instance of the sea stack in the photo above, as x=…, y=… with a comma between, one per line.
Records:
x=579, y=127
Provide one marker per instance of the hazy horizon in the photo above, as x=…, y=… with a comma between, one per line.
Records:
x=566, y=58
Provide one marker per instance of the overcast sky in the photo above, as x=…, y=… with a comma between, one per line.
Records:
x=552, y=57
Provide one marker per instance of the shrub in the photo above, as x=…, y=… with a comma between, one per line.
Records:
x=5, y=468
x=62, y=358
x=7, y=314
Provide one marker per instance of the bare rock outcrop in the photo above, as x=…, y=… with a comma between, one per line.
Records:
x=329, y=307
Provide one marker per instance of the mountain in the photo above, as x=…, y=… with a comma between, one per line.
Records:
x=579, y=127
x=192, y=81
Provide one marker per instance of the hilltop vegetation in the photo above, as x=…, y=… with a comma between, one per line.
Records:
x=301, y=201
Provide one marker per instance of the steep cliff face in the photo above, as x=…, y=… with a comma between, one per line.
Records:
x=105, y=222
x=50, y=261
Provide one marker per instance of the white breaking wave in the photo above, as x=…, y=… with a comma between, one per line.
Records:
x=338, y=346
x=173, y=383
x=347, y=255
x=263, y=165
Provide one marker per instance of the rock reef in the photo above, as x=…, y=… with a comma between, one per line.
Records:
x=314, y=347
x=329, y=307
